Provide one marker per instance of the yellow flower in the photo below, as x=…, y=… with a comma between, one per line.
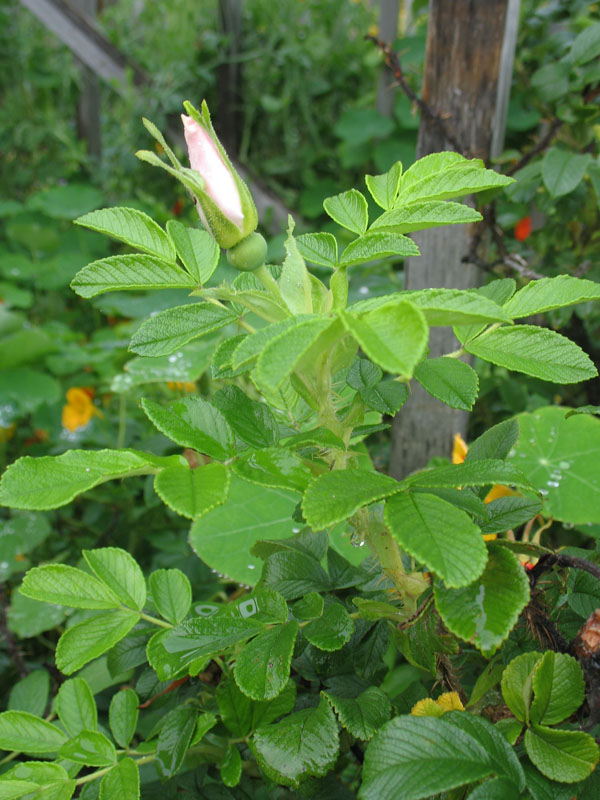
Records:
x=449, y=701
x=187, y=386
x=7, y=432
x=459, y=449
x=79, y=408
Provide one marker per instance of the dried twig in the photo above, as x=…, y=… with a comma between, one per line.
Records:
x=550, y=560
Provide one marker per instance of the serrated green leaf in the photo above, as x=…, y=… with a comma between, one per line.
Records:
x=456, y=181
x=559, y=456
x=76, y=707
x=294, y=574
x=585, y=46
x=485, y=612
x=336, y=495
x=129, y=272
x=224, y=536
x=251, y=420
x=384, y=188
x=10, y=790
x=46, y=781
x=318, y=248
x=174, y=739
x=373, y=246
x=348, y=209
x=433, y=164
x=309, y=607
x=495, y=443
x=558, y=687
x=31, y=693
x=565, y=756
x=417, y=757
x=420, y=216
x=167, y=330
x=250, y=348
x=506, y=513
x=204, y=724
x=262, y=669
x=562, y=170
x=364, y=715
x=171, y=593
x=231, y=766
x=29, y=734
x=304, y=743
x=197, y=249
x=131, y=226
x=438, y=535
x=53, y=481
x=120, y=572
x=123, y=716
x=499, y=292
x=91, y=748
x=89, y=639
x=548, y=293
x=394, y=336
x=294, y=281
x=276, y=467
x=471, y=473
x=67, y=586
x=122, y=782
x=192, y=422
x=331, y=630
x=193, y=492
x=517, y=684
x=453, y=382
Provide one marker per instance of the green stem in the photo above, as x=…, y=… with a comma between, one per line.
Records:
x=268, y=281
x=100, y=772
x=241, y=322
x=161, y=623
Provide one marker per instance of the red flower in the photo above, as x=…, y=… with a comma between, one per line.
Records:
x=523, y=229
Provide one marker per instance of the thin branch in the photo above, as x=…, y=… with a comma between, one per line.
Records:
x=550, y=560
x=537, y=148
x=393, y=63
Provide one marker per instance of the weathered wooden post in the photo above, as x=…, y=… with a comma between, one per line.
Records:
x=89, y=103
x=463, y=86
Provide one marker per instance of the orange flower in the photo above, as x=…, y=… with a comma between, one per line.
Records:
x=79, y=408
x=523, y=229
x=459, y=449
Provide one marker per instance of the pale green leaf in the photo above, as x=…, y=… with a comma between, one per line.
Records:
x=193, y=492
x=250, y=347
x=437, y=534
x=517, y=684
x=485, y=612
x=171, y=593
x=120, y=572
x=273, y=466
x=76, y=707
x=562, y=170
x=91, y=748
x=318, y=248
x=262, y=669
x=336, y=495
x=373, y=246
x=294, y=281
x=30, y=734
x=129, y=272
x=67, y=586
x=471, y=473
x=384, y=188
x=123, y=716
x=348, y=209
x=559, y=688
x=166, y=331
x=197, y=249
x=586, y=45
x=456, y=181
x=453, y=382
x=89, y=639
x=565, y=756
x=419, y=216
x=362, y=716
x=548, y=293
x=122, y=782
x=131, y=226
x=31, y=693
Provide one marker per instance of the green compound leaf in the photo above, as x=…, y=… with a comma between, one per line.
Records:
x=171, y=593
x=419, y=216
x=91, y=748
x=534, y=351
x=224, y=536
x=437, y=534
x=194, y=423
x=129, y=272
x=131, y=226
x=304, y=743
x=336, y=495
x=120, y=572
x=76, y=707
x=384, y=188
x=348, y=209
x=31, y=693
x=275, y=467
x=485, y=612
x=318, y=248
x=163, y=333
x=174, y=739
x=470, y=473
x=197, y=249
x=122, y=782
x=450, y=380
x=378, y=245
x=262, y=670
x=193, y=492
x=93, y=637
x=565, y=756
x=558, y=687
x=517, y=684
x=67, y=586
x=29, y=734
x=123, y=715
x=560, y=458
x=394, y=336
x=548, y=293
x=562, y=170
x=331, y=630
x=417, y=757
x=53, y=481
x=362, y=716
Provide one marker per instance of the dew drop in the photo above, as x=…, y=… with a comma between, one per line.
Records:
x=565, y=464
x=363, y=290
x=295, y=530
x=251, y=566
x=544, y=492
x=532, y=441
x=87, y=469
x=512, y=453
x=553, y=484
